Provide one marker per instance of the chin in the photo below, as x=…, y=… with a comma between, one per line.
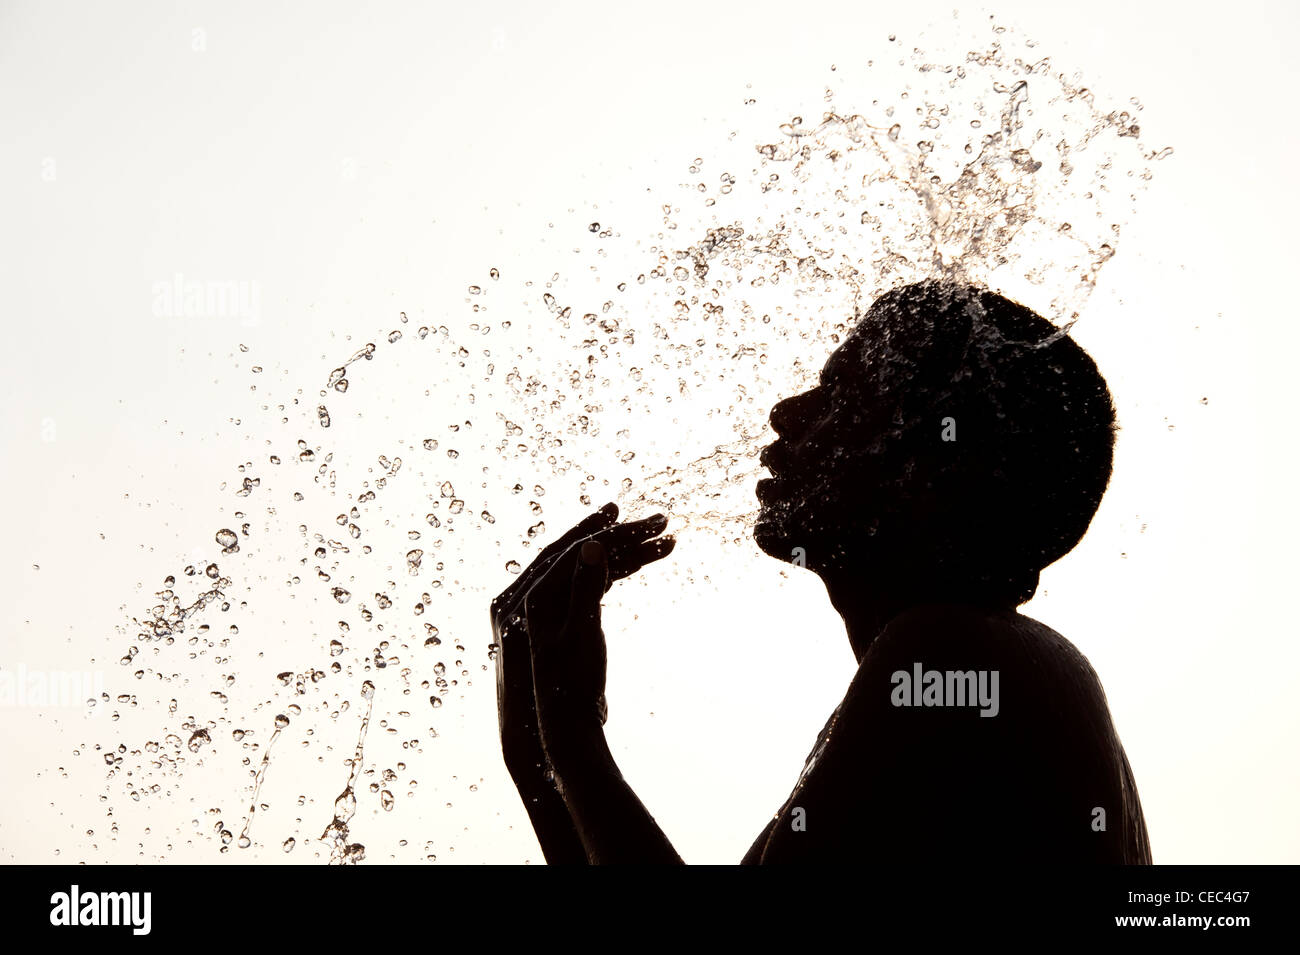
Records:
x=772, y=528
x=768, y=536
x=773, y=536
x=793, y=532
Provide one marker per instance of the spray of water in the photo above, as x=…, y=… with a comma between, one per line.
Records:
x=666, y=350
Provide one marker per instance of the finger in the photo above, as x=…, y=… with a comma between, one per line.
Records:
x=589, y=579
x=589, y=525
x=628, y=562
x=626, y=536
x=618, y=540
x=545, y=605
x=514, y=662
x=645, y=527
x=624, y=543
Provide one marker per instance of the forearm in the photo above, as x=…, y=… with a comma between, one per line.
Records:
x=612, y=824
x=547, y=813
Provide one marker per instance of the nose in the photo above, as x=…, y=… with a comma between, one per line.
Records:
x=793, y=415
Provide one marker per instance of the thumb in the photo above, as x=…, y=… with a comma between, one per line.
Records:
x=589, y=578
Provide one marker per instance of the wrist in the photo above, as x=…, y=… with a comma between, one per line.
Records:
x=523, y=755
x=527, y=773
x=576, y=747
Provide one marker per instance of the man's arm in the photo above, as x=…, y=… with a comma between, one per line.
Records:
x=568, y=651
x=521, y=743
x=610, y=820
x=521, y=748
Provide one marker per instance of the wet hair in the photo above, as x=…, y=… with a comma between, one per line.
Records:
x=1029, y=423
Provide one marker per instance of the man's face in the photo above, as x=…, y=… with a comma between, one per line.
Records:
x=825, y=461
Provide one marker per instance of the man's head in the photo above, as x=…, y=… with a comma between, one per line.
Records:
x=955, y=437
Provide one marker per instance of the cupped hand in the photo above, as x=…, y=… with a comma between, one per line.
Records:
x=553, y=608
x=562, y=615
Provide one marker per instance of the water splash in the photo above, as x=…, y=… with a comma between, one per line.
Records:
x=281, y=723
x=995, y=169
x=336, y=833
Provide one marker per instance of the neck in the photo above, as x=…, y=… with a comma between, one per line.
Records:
x=869, y=600
x=866, y=607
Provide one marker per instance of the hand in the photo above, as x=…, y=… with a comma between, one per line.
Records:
x=562, y=614
x=516, y=700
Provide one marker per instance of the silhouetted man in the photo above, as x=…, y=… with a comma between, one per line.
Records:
x=956, y=444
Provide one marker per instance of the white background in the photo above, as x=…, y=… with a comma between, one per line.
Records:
x=357, y=161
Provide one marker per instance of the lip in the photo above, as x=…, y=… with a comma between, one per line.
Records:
x=771, y=457
x=768, y=491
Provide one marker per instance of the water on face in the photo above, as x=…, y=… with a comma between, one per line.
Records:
x=643, y=373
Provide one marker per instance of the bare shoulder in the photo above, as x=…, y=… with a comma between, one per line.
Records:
x=1036, y=669
x=979, y=633
x=963, y=726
